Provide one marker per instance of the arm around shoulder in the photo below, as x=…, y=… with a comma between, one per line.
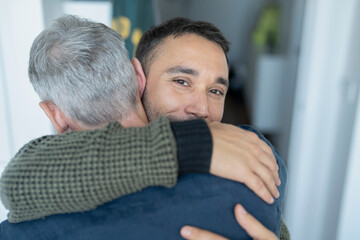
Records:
x=80, y=170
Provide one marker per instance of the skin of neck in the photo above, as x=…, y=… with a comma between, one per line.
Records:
x=136, y=118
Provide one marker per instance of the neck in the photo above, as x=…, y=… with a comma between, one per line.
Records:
x=136, y=118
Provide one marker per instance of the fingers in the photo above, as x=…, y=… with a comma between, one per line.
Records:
x=192, y=233
x=254, y=183
x=265, y=155
x=270, y=162
x=266, y=176
x=252, y=226
x=242, y=156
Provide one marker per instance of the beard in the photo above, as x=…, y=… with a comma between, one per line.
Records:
x=153, y=112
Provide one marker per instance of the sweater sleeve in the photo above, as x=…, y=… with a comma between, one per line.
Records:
x=79, y=171
x=194, y=144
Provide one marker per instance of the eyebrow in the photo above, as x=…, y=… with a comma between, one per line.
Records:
x=193, y=72
x=222, y=81
x=182, y=69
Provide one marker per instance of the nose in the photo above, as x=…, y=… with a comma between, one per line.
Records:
x=198, y=106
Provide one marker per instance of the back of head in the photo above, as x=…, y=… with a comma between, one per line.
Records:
x=84, y=69
x=147, y=49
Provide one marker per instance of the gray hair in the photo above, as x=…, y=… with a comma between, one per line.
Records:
x=84, y=69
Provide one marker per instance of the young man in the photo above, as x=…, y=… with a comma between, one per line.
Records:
x=181, y=79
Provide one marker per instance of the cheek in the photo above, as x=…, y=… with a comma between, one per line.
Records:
x=216, y=111
x=173, y=101
x=166, y=100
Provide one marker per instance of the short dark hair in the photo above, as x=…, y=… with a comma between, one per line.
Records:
x=176, y=27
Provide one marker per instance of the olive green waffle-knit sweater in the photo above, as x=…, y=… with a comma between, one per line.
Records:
x=107, y=163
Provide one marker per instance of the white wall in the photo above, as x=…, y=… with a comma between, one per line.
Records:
x=350, y=208
x=20, y=115
x=323, y=119
x=350, y=205
x=21, y=22
x=6, y=141
x=99, y=11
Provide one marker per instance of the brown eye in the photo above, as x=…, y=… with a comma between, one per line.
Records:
x=181, y=82
x=217, y=92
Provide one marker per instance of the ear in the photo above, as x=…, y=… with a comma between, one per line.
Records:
x=140, y=75
x=56, y=116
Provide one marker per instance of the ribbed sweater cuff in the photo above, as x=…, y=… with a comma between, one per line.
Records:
x=194, y=144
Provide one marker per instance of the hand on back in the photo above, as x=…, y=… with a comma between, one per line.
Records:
x=242, y=156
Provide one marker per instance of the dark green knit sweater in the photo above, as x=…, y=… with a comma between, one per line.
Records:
x=78, y=172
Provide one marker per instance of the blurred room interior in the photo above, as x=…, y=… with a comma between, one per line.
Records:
x=294, y=75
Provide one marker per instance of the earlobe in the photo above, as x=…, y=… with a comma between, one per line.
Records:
x=56, y=116
x=140, y=75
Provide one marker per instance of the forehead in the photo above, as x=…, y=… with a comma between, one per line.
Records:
x=192, y=51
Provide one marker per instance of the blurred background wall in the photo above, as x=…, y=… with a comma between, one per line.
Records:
x=294, y=75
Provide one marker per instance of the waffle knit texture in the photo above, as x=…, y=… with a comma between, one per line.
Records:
x=78, y=171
